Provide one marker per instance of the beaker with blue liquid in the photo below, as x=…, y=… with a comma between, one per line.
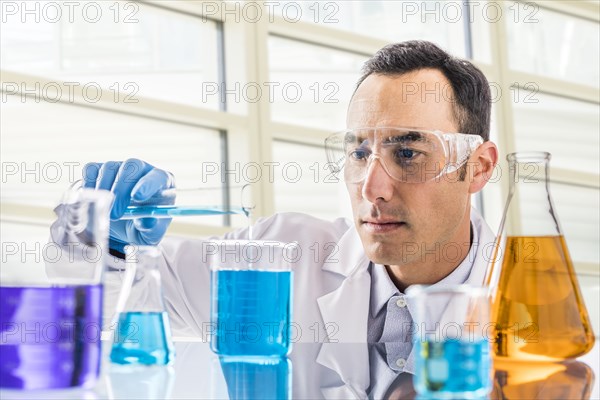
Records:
x=51, y=306
x=451, y=341
x=142, y=334
x=251, y=296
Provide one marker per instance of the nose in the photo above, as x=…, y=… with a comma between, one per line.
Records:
x=378, y=184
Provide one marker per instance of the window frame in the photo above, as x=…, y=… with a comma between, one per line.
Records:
x=253, y=132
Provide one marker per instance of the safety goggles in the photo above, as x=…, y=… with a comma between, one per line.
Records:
x=407, y=154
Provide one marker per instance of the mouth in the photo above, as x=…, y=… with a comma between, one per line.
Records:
x=381, y=226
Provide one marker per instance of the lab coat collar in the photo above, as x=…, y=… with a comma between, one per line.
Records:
x=346, y=308
x=349, y=256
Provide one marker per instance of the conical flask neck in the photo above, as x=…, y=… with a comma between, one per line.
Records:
x=531, y=169
x=145, y=294
x=530, y=209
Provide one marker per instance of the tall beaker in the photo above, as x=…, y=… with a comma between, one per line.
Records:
x=538, y=310
x=251, y=296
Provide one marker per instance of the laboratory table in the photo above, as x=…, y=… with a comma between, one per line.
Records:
x=312, y=371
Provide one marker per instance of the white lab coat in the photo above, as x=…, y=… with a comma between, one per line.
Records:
x=331, y=279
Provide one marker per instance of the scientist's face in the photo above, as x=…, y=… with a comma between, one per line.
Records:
x=399, y=222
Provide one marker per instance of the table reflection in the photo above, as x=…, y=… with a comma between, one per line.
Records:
x=257, y=378
x=350, y=371
x=568, y=380
x=314, y=371
x=518, y=381
x=401, y=388
x=139, y=381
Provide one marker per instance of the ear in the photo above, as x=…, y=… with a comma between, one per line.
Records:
x=481, y=166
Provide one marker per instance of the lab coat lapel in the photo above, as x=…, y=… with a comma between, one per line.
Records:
x=346, y=308
x=350, y=361
x=339, y=392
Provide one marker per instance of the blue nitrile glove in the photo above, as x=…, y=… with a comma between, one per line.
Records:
x=133, y=182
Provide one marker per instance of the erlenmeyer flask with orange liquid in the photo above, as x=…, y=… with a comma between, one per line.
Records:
x=538, y=313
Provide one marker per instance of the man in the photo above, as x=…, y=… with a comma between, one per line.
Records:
x=410, y=177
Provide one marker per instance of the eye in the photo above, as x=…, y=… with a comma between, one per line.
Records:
x=406, y=154
x=359, y=154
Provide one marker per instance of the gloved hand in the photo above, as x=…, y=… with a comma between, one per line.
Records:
x=133, y=182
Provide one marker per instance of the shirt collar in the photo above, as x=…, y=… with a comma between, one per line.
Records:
x=382, y=287
x=461, y=273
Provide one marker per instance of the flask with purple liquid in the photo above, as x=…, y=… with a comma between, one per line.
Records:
x=50, y=330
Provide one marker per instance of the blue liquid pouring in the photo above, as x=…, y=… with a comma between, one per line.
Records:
x=252, y=312
x=257, y=378
x=177, y=211
x=50, y=336
x=453, y=369
x=142, y=338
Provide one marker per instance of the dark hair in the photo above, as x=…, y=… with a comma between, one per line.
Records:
x=471, y=90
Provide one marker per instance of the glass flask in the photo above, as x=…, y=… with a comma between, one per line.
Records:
x=538, y=313
x=142, y=332
x=51, y=306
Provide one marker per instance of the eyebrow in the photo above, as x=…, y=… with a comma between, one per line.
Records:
x=352, y=138
x=410, y=136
